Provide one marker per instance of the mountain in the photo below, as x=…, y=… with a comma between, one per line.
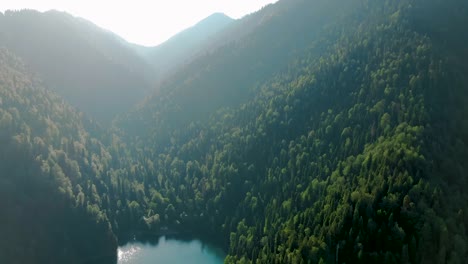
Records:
x=90, y=67
x=229, y=75
x=329, y=131
x=52, y=170
x=323, y=131
x=182, y=47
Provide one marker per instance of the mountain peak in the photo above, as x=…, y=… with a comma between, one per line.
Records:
x=213, y=19
x=219, y=14
x=185, y=44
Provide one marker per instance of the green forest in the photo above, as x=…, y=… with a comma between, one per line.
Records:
x=327, y=131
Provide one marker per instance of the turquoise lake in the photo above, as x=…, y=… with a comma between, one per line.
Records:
x=169, y=250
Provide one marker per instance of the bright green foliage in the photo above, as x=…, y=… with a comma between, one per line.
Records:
x=335, y=159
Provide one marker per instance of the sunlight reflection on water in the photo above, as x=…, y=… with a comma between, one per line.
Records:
x=126, y=256
x=171, y=251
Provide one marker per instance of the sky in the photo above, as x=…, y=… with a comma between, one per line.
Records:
x=143, y=22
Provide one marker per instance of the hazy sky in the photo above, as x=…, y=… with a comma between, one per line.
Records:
x=143, y=22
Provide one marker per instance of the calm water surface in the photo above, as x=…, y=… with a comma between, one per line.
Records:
x=169, y=250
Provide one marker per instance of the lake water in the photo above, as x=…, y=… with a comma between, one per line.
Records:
x=169, y=250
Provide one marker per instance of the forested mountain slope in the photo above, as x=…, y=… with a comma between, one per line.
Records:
x=91, y=68
x=332, y=132
x=226, y=76
x=53, y=176
x=354, y=152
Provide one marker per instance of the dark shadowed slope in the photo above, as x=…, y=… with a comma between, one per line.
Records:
x=52, y=177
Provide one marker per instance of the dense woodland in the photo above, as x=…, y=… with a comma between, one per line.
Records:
x=50, y=168
x=326, y=132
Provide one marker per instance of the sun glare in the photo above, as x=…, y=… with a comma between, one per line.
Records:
x=143, y=22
